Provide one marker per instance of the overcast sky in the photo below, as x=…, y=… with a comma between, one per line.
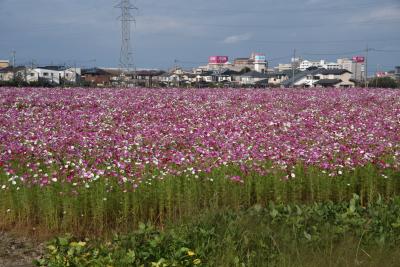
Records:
x=64, y=31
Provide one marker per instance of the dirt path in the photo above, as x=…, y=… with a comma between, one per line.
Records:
x=18, y=252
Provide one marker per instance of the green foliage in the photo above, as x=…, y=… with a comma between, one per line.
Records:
x=145, y=247
x=336, y=234
x=244, y=70
x=383, y=82
x=275, y=234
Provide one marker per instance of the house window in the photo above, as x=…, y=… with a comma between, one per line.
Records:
x=32, y=74
x=45, y=74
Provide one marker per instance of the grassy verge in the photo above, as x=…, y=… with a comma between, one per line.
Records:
x=320, y=234
x=105, y=205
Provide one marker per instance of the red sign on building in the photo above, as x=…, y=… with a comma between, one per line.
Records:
x=359, y=59
x=381, y=74
x=218, y=59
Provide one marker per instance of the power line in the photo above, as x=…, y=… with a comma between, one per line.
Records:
x=385, y=51
x=190, y=62
x=333, y=54
x=279, y=58
x=298, y=9
x=280, y=26
x=351, y=52
x=309, y=41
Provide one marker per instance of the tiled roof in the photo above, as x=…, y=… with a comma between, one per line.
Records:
x=254, y=74
x=328, y=81
x=334, y=71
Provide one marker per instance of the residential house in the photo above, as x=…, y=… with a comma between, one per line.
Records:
x=176, y=77
x=335, y=78
x=356, y=68
x=147, y=78
x=206, y=76
x=277, y=78
x=54, y=74
x=397, y=72
x=96, y=77
x=164, y=79
x=321, y=78
x=252, y=77
x=11, y=73
x=227, y=76
x=4, y=63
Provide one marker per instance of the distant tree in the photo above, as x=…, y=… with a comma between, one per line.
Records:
x=383, y=82
x=312, y=68
x=245, y=70
x=41, y=83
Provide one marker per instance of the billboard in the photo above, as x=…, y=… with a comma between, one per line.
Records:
x=359, y=59
x=381, y=74
x=218, y=59
x=260, y=58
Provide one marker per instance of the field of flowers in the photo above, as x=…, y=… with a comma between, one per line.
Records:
x=97, y=159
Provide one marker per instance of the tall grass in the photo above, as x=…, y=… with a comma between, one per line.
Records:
x=320, y=234
x=108, y=205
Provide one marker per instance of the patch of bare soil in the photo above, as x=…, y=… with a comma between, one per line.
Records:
x=18, y=252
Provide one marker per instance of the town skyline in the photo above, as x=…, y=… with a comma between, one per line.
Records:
x=88, y=34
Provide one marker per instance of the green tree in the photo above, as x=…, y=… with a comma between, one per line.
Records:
x=383, y=82
x=245, y=70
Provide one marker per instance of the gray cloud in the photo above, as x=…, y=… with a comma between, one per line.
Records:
x=188, y=30
x=237, y=38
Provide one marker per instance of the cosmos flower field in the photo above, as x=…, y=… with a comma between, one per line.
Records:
x=110, y=158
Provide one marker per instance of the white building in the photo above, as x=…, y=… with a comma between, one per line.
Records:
x=321, y=78
x=260, y=62
x=357, y=69
x=54, y=74
x=252, y=77
x=256, y=62
x=305, y=64
x=4, y=63
x=283, y=67
x=332, y=66
x=12, y=73
x=295, y=63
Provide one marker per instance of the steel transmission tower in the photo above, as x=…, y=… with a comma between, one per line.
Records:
x=126, y=60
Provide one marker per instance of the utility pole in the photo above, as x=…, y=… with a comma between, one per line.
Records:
x=356, y=70
x=176, y=73
x=125, y=60
x=293, y=61
x=63, y=79
x=366, y=66
x=13, y=56
x=75, y=73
